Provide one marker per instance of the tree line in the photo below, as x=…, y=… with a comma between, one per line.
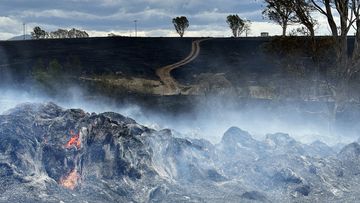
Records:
x=39, y=33
x=237, y=25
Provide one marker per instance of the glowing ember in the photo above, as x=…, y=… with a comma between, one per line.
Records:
x=74, y=140
x=71, y=180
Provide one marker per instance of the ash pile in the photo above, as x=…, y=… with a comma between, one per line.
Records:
x=51, y=154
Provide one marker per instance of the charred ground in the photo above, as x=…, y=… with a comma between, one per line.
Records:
x=256, y=68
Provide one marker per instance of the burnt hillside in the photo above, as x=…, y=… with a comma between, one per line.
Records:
x=131, y=56
x=264, y=68
x=137, y=57
x=140, y=57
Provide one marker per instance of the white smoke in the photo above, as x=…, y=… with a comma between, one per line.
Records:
x=209, y=120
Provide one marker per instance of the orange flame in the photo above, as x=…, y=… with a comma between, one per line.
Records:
x=74, y=140
x=71, y=180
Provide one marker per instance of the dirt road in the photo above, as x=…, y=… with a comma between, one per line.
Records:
x=164, y=73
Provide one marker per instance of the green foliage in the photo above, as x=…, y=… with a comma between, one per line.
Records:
x=39, y=72
x=54, y=76
x=50, y=78
x=181, y=24
x=55, y=70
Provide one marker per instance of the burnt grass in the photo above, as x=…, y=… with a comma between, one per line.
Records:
x=232, y=56
x=254, y=58
x=253, y=61
x=138, y=57
x=130, y=57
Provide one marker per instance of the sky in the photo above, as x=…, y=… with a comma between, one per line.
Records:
x=101, y=17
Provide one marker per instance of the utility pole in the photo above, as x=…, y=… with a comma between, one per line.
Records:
x=24, y=31
x=135, y=22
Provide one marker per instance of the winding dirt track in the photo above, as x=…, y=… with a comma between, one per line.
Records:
x=164, y=73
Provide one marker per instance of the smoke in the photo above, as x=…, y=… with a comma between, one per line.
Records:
x=215, y=115
x=208, y=119
x=75, y=98
x=5, y=75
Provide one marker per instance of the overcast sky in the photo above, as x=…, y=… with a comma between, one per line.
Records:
x=100, y=17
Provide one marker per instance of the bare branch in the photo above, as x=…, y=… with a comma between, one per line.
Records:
x=318, y=7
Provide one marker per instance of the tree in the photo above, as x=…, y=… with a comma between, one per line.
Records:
x=247, y=27
x=347, y=63
x=38, y=33
x=50, y=77
x=74, y=33
x=55, y=69
x=281, y=12
x=39, y=71
x=303, y=10
x=300, y=31
x=60, y=33
x=342, y=62
x=236, y=25
x=180, y=24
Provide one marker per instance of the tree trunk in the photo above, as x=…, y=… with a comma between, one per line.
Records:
x=356, y=52
x=235, y=33
x=284, y=28
x=330, y=18
x=312, y=33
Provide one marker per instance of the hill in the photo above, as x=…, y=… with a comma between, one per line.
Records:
x=20, y=37
x=131, y=56
x=259, y=68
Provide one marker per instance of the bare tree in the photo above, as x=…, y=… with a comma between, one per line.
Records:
x=181, y=24
x=281, y=12
x=236, y=24
x=247, y=27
